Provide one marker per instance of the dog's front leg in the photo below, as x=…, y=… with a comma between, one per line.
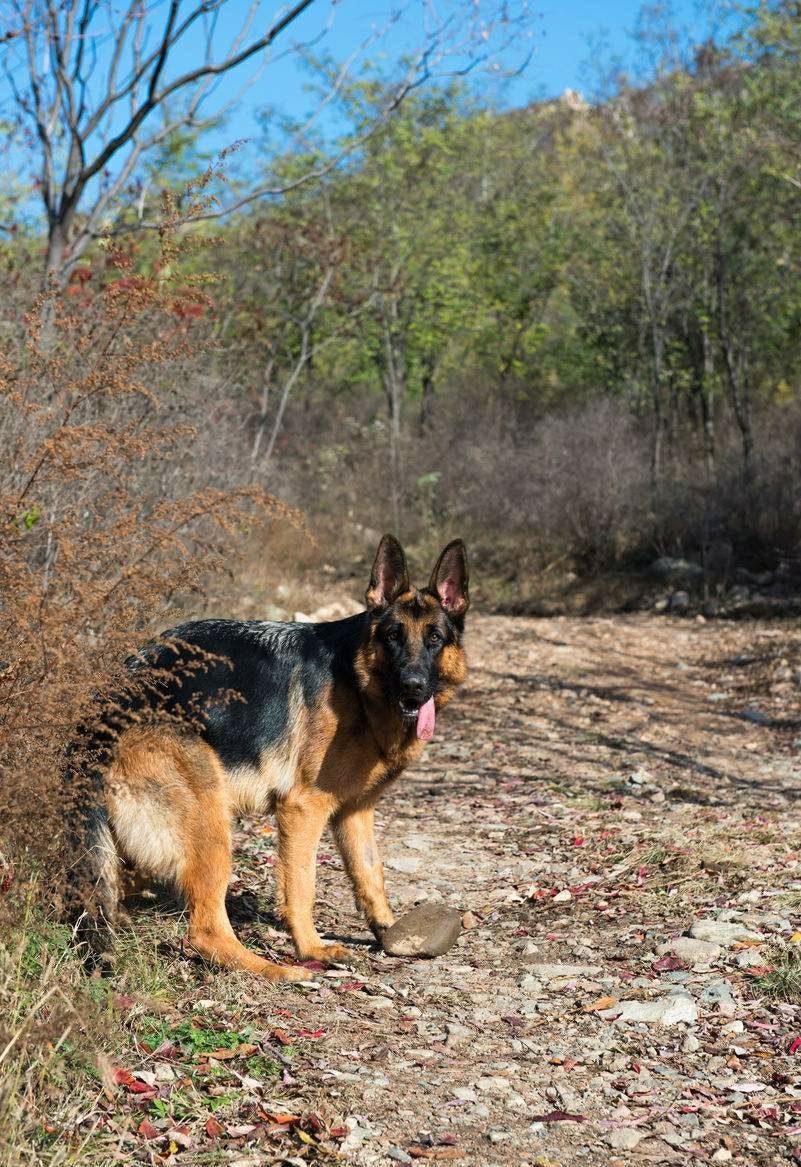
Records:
x=355, y=836
x=301, y=819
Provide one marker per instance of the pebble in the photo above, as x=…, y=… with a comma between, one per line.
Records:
x=428, y=930
x=691, y=950
x=624, y=1138
x=552, y=972
x=722, y=932
x=691, y=1044
x=470, y=920
x=669, y=1010
x=398, y=1155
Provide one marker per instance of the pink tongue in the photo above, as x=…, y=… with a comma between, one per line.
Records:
x=426, y=719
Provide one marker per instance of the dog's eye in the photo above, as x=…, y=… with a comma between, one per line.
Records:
x=395, y=634
x=435, y=637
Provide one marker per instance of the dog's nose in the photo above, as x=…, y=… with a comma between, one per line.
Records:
x=414, y=686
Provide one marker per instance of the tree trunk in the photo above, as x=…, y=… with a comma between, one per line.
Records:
x=426, y=396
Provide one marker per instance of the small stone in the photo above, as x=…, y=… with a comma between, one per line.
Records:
x=553, y=972
x=457, y=1034
x=722, y=932
x=562, y=897
x=733, y=1027
x=691, y=1044
x=428, y=930
x=406, y=864
x=722, y=1155
x=499, y=1136
x=625, y=1138
x=470, y=920
x=691, y=950
x=672, y=1009
x=398, y=1155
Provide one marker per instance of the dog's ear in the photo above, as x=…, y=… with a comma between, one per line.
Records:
x=390, y=576
x=450, y=579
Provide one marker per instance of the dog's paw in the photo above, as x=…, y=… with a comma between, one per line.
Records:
x=331, y=953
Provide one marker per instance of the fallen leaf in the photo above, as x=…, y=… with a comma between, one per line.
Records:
x=795, y=1045
x=214, y=1128
x=667, y=963
x=282, y=1036
x=600, y=1003
x=132, y=1085
x=147, y=1130
x=557, y=1116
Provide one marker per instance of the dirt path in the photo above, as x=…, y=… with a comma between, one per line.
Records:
x=600, y=786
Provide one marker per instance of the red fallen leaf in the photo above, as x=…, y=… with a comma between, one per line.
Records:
x=314, y=1122
x=310, y=1032
x=222, y=1055
x=577, y=841
x=282, y=1036
x=132, y=1085
x=667, y=964
x=6, y=877
x=214, y=1128
x=351, y=986
x=447, y=1139
x=147, y=1130
x=284, y=1013
x=122, y=1001
x=759, y=970
x=557, y=1116
x=165, y=1051
x=314, y=965
x=795, y=1045
x=337, y=1132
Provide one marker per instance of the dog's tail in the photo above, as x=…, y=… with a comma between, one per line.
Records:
x=92, y=858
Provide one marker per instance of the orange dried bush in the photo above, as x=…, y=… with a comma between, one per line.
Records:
x=105, y=517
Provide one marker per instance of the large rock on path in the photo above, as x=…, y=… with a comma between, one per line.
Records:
x=428, y=930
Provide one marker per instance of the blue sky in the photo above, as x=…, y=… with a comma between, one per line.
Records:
x=564, y=43
x=568, y=43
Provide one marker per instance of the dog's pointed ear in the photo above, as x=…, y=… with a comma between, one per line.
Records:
x=450, y=579
x=390, y=576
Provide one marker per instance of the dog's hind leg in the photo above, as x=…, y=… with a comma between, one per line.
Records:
x=171, y=813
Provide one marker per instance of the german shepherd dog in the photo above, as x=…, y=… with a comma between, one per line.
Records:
x=309, y=721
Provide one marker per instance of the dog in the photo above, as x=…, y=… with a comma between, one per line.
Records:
x=311, y=722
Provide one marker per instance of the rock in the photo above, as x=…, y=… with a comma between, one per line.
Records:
x=625, y=1138
x=691, y=1044
x=722, y=1155
x=719, y=993
x=677, y=570
x=407, y=864
x=552, y=972
x=562, y=897
x=457, y=1034
x=722, y=932
x=469, y=921
x=398, y=1155
x=669, y=1010
x=691, y=950
x=679, y=601
x=428, y=930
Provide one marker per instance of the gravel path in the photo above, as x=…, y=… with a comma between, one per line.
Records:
x=601, y=789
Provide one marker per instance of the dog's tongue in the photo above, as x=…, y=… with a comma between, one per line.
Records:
x=426, y=719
